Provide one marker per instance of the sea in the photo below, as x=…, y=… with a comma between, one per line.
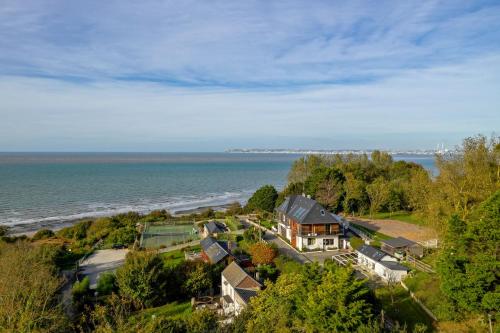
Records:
x=55, y=189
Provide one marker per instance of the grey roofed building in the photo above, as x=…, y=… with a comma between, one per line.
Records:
x=306, y=211
x=400, y=245
x=378, y=255
x=398, y=242
x=214, y=227
x=214, y=250
x=371, y=252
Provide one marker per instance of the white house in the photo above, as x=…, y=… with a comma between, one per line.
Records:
x=381, y=263
x=237, y=289
x=308, y=225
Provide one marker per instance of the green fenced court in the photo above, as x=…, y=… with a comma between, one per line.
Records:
x=157, y=235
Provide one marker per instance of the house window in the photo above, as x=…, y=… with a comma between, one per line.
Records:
x=329, y=241
x=328, y=228
x=310, y=241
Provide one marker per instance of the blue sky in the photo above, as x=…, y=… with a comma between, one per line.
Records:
x=212, y=75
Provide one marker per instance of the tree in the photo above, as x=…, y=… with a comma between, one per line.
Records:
x=468, y=265
x=263, y=199
x=467, y=179
x=330, y=190
x=198, y=280
x=378, y=192
x=28, y=287
x=277, y=304
x=303, y=167
x=262, y=253
x=338, y=303
x=142, y=279
x=355, y=196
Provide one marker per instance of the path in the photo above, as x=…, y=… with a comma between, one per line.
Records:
x=396, y=228
x=179, y=246
x=102, y=261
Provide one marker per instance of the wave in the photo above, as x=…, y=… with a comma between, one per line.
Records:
x=172, y=204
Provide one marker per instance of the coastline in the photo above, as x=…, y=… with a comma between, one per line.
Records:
x=29, y=229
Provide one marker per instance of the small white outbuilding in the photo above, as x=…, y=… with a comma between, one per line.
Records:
x=381, y=263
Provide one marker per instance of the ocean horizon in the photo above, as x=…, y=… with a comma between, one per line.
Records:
x=50, y=189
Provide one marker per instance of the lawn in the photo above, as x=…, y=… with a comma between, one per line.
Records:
x=405, y=310
x=177, y=256
x=173, y=310
x=426, y=288
x=398, y=216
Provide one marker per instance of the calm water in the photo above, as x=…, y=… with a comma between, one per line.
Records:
x=47, y=188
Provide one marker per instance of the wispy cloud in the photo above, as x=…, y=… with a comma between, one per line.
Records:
x=77, y=74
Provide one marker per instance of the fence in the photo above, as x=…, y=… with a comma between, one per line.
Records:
x=429, y=312
x=157, y=235
x=419, y=264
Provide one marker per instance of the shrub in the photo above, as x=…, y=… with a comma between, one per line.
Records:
x=106, y=284
x=43, y=234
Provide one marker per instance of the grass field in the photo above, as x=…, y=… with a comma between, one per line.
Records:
x=157, y=235
x=172, y=310
x=405, y=310
x=177, y=256
x=397, y=216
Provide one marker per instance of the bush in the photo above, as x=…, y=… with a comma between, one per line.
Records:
x=43, y=234
x=3, y=230
x=106, y=284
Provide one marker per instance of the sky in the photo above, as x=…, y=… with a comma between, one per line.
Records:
x=213, y=75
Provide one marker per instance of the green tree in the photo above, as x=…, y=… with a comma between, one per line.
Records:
x=467, y=179
x=263, y=199
x=28, y=290
x=142, y=279
x=469, y=265
x=337, y=304
x=198, y=280
x=277, y=304
x=355, y=197
x=378, y=192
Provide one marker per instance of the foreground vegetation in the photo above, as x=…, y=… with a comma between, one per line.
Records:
x=151, y=292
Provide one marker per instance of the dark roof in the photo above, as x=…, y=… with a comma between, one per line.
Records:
x=214, y=251
x=392, y=265
x=377, y=255
x=371, y=252
x=306, y=211
x=398, y=242
x=245, y=294
x=215, y=227
x=206, y=242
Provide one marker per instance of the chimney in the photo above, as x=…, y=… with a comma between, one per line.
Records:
x=308, y=196
x=303, y=194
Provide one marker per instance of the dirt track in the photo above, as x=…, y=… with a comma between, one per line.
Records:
x=395, y=228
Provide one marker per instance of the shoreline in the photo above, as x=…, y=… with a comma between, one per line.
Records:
x=29, y=229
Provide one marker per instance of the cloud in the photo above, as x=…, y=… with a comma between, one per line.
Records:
x=170, y=75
